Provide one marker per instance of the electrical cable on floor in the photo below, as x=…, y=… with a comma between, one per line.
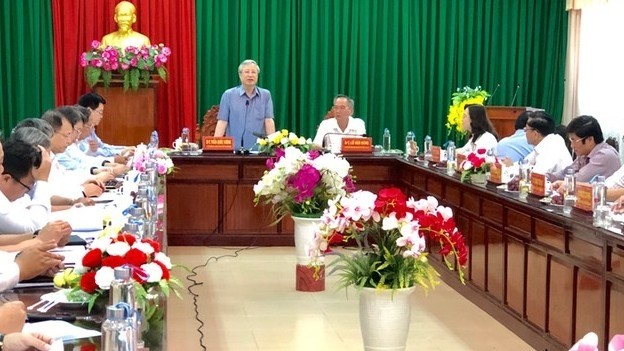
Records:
x=193, y=274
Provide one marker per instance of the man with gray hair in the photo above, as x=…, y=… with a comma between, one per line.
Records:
x=329, y=133
x=246, y=111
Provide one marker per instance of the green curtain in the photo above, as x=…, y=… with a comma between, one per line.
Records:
x=26, y=61
x=399, y=60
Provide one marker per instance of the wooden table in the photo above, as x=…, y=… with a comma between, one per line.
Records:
x=547, y=276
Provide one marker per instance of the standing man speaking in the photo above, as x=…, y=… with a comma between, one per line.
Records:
x=246, y=111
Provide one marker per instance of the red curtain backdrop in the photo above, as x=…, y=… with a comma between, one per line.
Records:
x=172, y=22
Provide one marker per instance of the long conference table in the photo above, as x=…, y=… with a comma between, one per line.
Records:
x=547, y=276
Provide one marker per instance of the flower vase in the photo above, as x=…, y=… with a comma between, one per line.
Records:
x=478, y=179
x=385, y=318
x=308, y=278
x=153, y=327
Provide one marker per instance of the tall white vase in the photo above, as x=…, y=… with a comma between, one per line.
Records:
x=308, y=278
x=305, y=230
x=385, y=318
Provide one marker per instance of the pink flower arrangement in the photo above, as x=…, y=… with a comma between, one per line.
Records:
x=477, y=162
x=142, y=157
x=301, y=183
x=590, y=343
x=135, y=65
x=392, y=233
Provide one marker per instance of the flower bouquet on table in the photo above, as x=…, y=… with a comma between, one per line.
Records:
x=135, y=65
x=92, y=276
x=461, y=98
x=477, y=163
x=143, y=156
x=281, y=140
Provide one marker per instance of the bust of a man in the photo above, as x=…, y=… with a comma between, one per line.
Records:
x=125, y=17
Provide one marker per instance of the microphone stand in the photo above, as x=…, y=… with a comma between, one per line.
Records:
x=515, y=94
x=242, y=150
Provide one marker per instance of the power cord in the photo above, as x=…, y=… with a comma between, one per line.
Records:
x=194, y=283
x=192, y=276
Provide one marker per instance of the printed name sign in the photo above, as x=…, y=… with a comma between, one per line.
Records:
x=584, y=200
x=436, y=152
x=357, y=145
x=211, y=143
x=538, y=184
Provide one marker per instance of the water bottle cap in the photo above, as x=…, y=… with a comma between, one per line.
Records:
x=570, y=171
x=137, y=212
x=122, y=273
x=131, y=228
x=386, y=131
x=427, y=137
x=114, y=313
x=185, y=130
x=451, y=143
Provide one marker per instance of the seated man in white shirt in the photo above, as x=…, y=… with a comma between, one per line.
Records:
x=92, y=145
x=25, y=168
x=550, y=154
x=27, y=264
x=330, y=132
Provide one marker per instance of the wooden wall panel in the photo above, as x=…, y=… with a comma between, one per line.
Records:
x=515, y=275
x=240, y=217
x=560, y=301
x=478, y=254
x=536, y=288
x=186, y=201
x=588, y=303
x=495, y=263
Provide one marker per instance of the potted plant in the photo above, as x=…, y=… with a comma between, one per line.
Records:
x=394, y=235
x=133, y=65
x=459, y=99
x=475, y=167
x=301, y=184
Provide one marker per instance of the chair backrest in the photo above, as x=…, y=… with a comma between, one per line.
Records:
x=209, y=123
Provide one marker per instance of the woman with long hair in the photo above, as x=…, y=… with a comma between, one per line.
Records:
x=480, y=130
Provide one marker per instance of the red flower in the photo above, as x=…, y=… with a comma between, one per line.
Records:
x=481, y=151
x=153, y=243
x=391, y=200
x=166, y=275
x=139, y=275
x=136, y=257
x=113, y=261
x=87, y=282
x=128, y=238
x=92, y=259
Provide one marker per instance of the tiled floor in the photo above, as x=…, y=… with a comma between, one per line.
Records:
x=250, y=303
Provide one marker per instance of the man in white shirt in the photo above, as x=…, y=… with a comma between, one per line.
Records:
x=25, y=169
x=330, y=132
x=550, y=154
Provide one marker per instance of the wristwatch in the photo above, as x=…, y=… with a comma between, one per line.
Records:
x=1, y=341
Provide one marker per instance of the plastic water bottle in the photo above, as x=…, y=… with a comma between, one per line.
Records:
x=409, y=142
x=427, y=147
x=185, y=146
x=451, y=158
x=601, y=210
x=137, y=216
x=387, y=141
x=117, y=332
x=569, y=198
x=122, y=290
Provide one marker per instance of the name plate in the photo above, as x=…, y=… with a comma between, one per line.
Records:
x=496, y=173
x=357, y=145
x=211, y=143
x=436, y=152
x=538, y=184
x=460, y=158
x=584, y=194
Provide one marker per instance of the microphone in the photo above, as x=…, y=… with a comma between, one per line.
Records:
x=242, y=150
x=259, y=135
x=494, y=93
x=515, y=94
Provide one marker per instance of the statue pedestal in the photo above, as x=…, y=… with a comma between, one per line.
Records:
x=129, y=117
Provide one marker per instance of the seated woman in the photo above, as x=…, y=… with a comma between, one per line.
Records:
x=479, y=128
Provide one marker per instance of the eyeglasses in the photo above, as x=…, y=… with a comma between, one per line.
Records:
x=574, y=140
x=66, y=135
x=19, y=181
x=526, y=129
x=99, y=112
